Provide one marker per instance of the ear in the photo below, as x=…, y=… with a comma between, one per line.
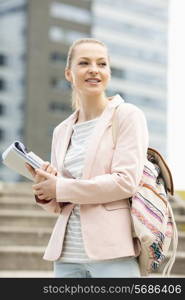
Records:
x=68, y=75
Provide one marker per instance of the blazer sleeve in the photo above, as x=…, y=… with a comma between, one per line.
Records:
x=126, y=169
x=52, y=205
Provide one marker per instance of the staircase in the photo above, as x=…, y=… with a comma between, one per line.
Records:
x=25, y=229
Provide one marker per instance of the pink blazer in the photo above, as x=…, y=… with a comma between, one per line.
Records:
x=111, y=175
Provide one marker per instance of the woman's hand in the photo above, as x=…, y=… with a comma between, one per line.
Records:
x=38, y=178
x=45, y=167
x=45, y=190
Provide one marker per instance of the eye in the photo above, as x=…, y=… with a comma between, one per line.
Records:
x=83, y=63
x=103, y=64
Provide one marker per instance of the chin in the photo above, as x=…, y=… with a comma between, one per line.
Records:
x=94, y=92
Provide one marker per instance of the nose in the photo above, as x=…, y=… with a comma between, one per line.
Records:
x=93, y=69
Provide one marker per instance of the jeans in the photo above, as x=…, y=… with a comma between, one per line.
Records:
x=116, y=268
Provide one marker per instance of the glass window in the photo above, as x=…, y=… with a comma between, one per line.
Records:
x=132, y=29
x=61, y=84
x=139, y=77
x=58, y=57
x=154, y=11
x=2, y=84
x=1, y=134
x=59, y=106
x=3, y=60
x=157, y=126
x=112, y=92
x=20, y=131
x=58, y=34
x=136, y=53
x=1, y=109
x=115, y=72
x=12, y=10
x=23, y=57
x=70, y=12
x=143, y=101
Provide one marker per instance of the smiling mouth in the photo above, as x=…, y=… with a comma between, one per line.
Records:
x=93, y=80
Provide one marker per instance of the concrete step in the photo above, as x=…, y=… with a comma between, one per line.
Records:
x=180, y=221
x=23, y=258
x=50, y=274
x=181, y=241
x=179, y=264
x=16, y=188
x=21, y=236
x=30, y=258
x=40, y=236
x=26, y=274
x=177, y=209
x=27, y=218
x=21, y=202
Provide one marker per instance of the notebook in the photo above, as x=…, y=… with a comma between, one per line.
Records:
x=15, y=156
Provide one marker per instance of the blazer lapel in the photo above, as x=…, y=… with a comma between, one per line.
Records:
x=66, y=139
x=102, y=124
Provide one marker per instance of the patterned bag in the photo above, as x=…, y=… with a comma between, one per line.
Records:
x=152, y=216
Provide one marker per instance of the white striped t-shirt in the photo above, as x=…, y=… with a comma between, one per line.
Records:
x=73, y=248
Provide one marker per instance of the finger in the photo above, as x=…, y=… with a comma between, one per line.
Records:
x=43, y=173
x=37, y=193
x=52, y=170
x=45, y=165
x=36, y=187
x=39, y=179
x=49, y=169
x=41, y=197
x=30, y=169
x=44, y=198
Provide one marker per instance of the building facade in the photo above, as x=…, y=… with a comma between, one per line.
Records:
x=12, y=76
x=135, y=32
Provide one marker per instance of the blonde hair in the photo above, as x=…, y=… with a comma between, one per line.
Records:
x=75, y=102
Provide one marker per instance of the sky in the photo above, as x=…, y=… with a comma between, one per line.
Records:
x=176, y=93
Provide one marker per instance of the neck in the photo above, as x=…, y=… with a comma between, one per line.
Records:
x=91, y=107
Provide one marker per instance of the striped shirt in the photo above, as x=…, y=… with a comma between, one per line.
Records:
x=73, y=248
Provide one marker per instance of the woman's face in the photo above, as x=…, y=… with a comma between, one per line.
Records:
x=90, y=69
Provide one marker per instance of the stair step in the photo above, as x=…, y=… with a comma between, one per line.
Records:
x=177, y=209
x=23, y=258
x=30, y=258
x=50, y=274
x=180, y=221
x=40, y=236
x=18, y=203
x=171, y=275
x=24, y=236
x=16, y=188
x=26, y=274
x=27, y=218
x=178, y=266
x=181, y=241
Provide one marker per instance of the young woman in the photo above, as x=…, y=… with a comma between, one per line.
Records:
x=90, y=178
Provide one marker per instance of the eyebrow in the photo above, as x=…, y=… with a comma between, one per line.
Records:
x=89, y=58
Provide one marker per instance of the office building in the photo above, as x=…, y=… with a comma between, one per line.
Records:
x=12, y=76
x=135, y=32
